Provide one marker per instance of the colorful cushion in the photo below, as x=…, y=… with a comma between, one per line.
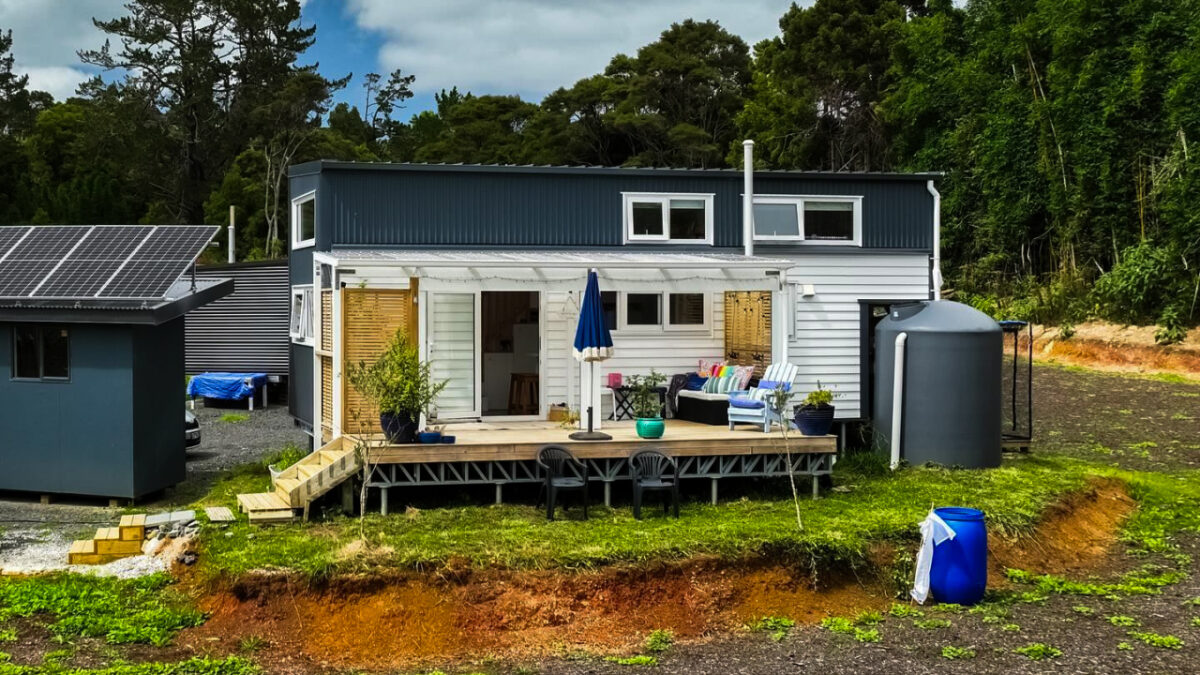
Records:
x=727, y=383
x=706, y=367
x=745, y=372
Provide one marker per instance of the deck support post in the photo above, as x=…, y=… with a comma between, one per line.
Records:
x=383, y=496
x=348, y=497
x=499, y=493
x=608, y=493
x=714, y=490
x=816, y=485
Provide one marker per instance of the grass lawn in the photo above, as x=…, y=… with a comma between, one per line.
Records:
x=838, y=527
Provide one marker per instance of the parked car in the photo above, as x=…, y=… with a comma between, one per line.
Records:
x=191, y=429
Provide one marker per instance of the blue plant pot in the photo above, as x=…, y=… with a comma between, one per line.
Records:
x=814, y=421
x=430, y=437
x=650, y=427
x=399, y=428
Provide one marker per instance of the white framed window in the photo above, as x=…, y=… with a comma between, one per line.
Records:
x=656, y=312
x=819, y=220
x=304, y=220
x=301, y=327
x=668, y=218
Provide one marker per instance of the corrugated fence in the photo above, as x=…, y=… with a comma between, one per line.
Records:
x=246, y=331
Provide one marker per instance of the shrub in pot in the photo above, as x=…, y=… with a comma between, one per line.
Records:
x=647, y=406
x=399, y=385
x=814, y=417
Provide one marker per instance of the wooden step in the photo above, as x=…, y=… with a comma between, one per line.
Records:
x=108, y=541
x=133, y=527
x=275, y=516
x=262, y=501
x=83, y=552
x=306, y=471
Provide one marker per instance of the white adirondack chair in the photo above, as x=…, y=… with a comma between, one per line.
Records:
x=751, y=406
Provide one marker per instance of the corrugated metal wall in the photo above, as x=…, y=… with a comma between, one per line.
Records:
x=247, y=330
x=379, y=207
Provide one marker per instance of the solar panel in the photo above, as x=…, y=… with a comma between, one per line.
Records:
x=102, y=261
x=9, y=236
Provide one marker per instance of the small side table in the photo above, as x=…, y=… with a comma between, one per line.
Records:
x=623, y=402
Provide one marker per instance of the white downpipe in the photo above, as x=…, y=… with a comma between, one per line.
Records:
x=748, y=196
x=937, y=239
x=898, y=399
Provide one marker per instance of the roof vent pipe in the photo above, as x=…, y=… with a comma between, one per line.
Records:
x=230, y=229
x=748, y=196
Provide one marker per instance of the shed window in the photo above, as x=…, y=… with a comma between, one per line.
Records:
x=304, y=220
x=41, y=353
x=302, y=314
x=669, y=218
x=809, y=220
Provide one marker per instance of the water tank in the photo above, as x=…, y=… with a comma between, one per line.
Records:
x=951, y=412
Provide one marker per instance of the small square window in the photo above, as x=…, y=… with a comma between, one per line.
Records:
x=686, y=309
x=647, y=219
x=643, y=309
x=831, y=221
x=687, y=219
x=776, y=220
x=41, y=353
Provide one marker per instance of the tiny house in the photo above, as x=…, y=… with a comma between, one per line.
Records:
x=485, y=266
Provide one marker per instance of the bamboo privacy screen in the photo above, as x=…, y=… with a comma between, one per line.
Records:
x=748, y=329
x=324, y=351
x=370, y=317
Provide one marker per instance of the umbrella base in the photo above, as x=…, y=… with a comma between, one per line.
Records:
x=590, y=436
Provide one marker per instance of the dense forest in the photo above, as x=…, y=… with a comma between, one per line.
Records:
x=1062, y=126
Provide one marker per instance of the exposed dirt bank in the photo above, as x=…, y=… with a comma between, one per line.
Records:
x=409, y=620
x=1118, y=348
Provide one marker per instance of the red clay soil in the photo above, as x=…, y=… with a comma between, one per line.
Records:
x=1118, y=348
x=1076, y=537
x=410, y=620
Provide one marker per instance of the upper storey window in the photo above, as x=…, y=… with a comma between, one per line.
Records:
x=811, y=220
x=304, y=220
x=668, y=218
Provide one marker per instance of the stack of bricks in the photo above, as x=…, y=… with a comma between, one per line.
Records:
x=111, y=543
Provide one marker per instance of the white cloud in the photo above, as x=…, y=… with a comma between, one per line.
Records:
x=46, y=34
x=531, y=47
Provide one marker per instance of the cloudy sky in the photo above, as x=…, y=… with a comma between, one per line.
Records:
x=525, y=47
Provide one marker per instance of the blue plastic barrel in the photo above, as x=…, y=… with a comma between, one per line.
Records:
x=959, y=571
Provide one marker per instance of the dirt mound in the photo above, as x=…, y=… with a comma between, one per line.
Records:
x=1119, y=348
x=414, y=619
x=1075, y=537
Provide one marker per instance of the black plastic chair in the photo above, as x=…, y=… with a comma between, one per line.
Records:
x=652, y=470
x=563, y=471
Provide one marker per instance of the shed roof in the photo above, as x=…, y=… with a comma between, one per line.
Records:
x=180, y=299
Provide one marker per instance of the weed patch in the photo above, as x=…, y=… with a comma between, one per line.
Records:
x=777, y=626
x=954, y=653
x=640, y=660
x=1039, y=651
x=193, y=666
x=1156, y=640
x=931, y=624
x=141, y=610
x=659, y=641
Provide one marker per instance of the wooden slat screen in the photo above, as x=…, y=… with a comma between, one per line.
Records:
x=326, y=396
x=748, y=329
x=326, y=344
x=370, y=317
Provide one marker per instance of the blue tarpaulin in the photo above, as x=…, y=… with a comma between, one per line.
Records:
x=227, y=386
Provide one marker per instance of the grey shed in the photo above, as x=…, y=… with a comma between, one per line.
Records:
x=951, y=412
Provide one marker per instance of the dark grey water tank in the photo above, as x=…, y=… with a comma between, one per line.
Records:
x=952, y=382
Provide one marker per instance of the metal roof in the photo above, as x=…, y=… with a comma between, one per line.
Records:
x=180, y=298
x=328, y=164
x=548, y=259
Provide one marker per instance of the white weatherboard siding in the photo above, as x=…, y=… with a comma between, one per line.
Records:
x=634, y=353
x=825, y=335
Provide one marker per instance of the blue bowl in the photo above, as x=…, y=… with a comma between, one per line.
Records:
x=447, y=439
x=429, y=437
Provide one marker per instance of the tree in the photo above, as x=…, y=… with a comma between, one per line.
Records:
x=385, y=99
x=481, y=130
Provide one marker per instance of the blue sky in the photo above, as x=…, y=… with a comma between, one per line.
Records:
x=524, y=47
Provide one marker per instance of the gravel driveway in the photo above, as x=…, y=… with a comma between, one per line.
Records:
x=35, y=536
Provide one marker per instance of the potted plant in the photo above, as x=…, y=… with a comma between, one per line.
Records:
x=647, y=406
x=399, y=384
x=814, y=416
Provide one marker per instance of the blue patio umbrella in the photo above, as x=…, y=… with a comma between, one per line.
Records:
x=593, y=343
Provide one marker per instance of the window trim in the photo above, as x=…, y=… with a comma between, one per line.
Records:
x=664, y=200
x=41, y=354
x=798, y=201
x=308, y=296
x=297, y=202
x=664, y=324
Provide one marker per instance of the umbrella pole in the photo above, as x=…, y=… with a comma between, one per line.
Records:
x=591, y=435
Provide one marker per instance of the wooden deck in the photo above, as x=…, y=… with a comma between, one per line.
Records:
x=493, y=441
